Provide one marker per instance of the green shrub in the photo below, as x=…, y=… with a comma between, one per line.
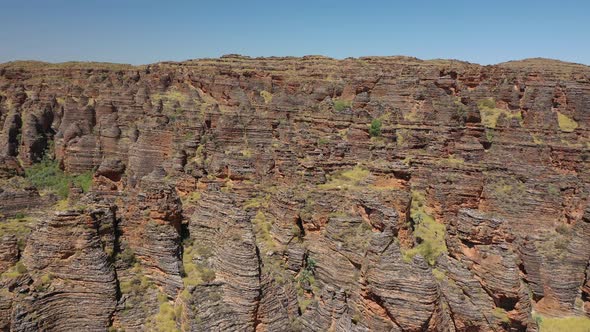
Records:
x=15, y=271
x=375, y=129
x=128, y=256
x=47, y=175
x=341, y=105
x=20, y=268
x=83, y=181
x=257, y=202
x=438, y=274
x=138, y=284
x=191, y=198
x=207, y=275
x=508, y=190
x=306, y=279
x=310, y=264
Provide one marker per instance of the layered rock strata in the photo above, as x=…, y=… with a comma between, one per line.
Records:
x=273, y=194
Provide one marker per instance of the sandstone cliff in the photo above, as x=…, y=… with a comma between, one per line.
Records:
x=275, y=194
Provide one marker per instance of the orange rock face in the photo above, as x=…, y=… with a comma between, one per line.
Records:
x=273, y=194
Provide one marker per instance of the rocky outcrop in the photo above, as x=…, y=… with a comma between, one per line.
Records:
x=272, y=194
x=223, y=256
x=69, y=270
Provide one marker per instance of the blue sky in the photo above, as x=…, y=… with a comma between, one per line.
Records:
x=146, y=31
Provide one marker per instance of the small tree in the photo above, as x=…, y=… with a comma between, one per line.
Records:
x=375, y=129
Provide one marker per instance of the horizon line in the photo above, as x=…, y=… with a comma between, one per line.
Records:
x=278, y=57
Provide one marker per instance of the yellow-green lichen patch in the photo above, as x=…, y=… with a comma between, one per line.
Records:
x=349, y=179
x=509, y=190
x=16, y=271
x=501, y=315
x=257, y=202
x=138, y=284
x=196, y=273
x=165, y=319
x=428, y=233
x=438, y=274
x=569, y=324
x=490, y=114
x=262, y=227
x=191, y=198
x=566, y=124
x=20, y=227
x=452, y=160
x=267, y=96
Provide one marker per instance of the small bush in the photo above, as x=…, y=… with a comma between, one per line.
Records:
x=47, y=175
x=16, y=271
x=191, y=198
x=262, y=228
x=138, y=284
x=341, y=105
x=207, y=275
x=20, y=268
x=195, y=273
x=310, y=264
x=562, y=229
x=165, y=319
x=128, y=256
x=18, y=227
x=83, y=181
x=375, y=129
x=487, y=102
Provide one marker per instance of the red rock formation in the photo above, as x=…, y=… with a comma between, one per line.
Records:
x=249, y=194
